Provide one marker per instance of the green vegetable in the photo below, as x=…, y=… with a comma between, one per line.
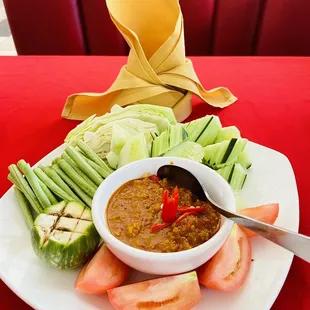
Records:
x=139, y=117
x=234, y=174
x=24, y=206
x=68, y=159
x=113, y=159
x=59, y=181
x=161, y=116
x=244, y=160
x=64, y=236
x=23, y=185
x=73, y=185
x=96, y=167
x=78, y=132
x=119, y=137
x=203, y=130
x=105, y=169
x=168, y=139
x=105, y=138
x=34, y=183
x=83, y=165
x=48, y=193
x=224, y=153
x=76, y=178
x=135, y=148
x=227, y=133
x=52, y=185
x=187, y=149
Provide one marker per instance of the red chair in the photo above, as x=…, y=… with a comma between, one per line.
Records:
x=212, y=27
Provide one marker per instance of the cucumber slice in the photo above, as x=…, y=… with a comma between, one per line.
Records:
x=228, y=133
x=177, y=135
x=238, y=178
x=170, y=138
x=136, y=148
x=119, y=137
x=224, y=153
x=234, y=174
x=187, y=149
x=64, y=235
x=161, y=144
x=203, y=130
x=113, y=159
x=244, y=160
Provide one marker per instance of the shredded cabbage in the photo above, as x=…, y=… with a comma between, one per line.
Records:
x=162, y=117
x=114, y=135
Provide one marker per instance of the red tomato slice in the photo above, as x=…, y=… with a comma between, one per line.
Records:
x=265, y=213
x=171, y=293
x=103, y=272
x=229, y=267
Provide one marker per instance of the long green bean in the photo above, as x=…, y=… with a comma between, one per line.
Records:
x=48, y=193
x=12, y=180
x=96, y=167
x=83, y=165
x=23, y=185
x=95, y=158
x=52, y=185
x=60, y=182
x=72, y=185
x=24, y=206
x=34, y=183
x=68, y=159
x=76, y=178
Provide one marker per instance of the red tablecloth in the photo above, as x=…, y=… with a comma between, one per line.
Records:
x=273, y=110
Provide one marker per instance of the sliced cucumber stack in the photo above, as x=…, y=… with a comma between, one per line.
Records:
x=203, y=130
x=227, y=133
x=64, y=235
x=234, y=174
x=170, y=138
x=187, y=149
x=224, y=153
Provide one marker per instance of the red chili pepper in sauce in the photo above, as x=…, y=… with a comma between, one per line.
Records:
x=154, y=178
x=183, y=216
x=170, y=205
x=159, y=227
x=194, y=210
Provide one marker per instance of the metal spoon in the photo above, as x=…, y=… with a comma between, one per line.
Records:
x=297, y=243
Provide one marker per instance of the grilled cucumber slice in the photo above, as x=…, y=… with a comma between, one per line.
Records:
x=64, y=235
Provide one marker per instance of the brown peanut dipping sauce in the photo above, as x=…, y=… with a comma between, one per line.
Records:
x=136, y=206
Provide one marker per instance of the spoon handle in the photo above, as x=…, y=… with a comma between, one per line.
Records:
x=297, y=243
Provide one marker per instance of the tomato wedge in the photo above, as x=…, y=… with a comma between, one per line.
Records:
x=229, y=267
x=181, y=292
x=103, y=272
x=265, y=213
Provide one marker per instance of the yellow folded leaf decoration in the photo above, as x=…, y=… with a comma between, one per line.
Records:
x=157, y=71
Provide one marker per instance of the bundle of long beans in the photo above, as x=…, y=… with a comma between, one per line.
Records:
x=75, y=176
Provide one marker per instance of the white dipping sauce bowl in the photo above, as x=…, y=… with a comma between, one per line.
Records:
x=163, y=263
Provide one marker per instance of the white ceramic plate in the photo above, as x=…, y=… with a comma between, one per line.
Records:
x=271, y=179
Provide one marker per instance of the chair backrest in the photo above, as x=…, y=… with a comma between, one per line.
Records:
x=212, y=27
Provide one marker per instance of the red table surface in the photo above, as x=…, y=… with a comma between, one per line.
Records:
x=273, y=109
